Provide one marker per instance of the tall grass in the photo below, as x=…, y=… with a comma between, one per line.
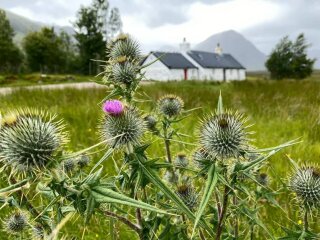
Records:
x=280, y=111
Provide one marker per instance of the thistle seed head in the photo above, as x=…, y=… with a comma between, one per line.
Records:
x=30, y=139
x=224, y=135
x=170, y=105
x=187, y=194
x=124, y=72
x=181, y=160
x=305, y=182
x=16, y=223
x=125, y=47
x=123, y=129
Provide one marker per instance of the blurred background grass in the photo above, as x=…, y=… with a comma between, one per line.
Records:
x=280, y=111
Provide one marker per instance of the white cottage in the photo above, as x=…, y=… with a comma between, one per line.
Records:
x=194, y=65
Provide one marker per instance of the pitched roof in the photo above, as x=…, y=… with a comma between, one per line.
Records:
x=214, y=60
x=174, y=60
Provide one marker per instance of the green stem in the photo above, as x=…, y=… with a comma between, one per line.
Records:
x=223, y=212
x=236, y=222
x=305, y=218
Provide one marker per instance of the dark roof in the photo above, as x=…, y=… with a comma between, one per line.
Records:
x=214, y=60
x=173, y=60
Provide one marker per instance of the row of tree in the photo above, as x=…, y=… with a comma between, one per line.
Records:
x=47, y=51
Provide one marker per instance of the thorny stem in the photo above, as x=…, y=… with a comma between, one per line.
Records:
x=236, y=222
x=223, y=212
x=305, y=220
x=218, y=203
x=124, y=220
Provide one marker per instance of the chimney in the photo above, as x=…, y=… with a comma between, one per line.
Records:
x=184, y=46
x=218, y=49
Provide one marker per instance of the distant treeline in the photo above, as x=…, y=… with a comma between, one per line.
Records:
x=46, y=51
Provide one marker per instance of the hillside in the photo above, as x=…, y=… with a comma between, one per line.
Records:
x=237, y=45
x=23, y=26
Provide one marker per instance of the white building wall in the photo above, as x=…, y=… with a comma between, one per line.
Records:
x=159, y=71
x=242, y=74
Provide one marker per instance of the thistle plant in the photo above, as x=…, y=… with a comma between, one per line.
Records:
x=217, y=190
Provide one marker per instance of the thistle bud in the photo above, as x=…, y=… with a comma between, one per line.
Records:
x=171, y=177
x=187, y=194
x=30, y=141
x=83, y=161
x=126, y=128
x=124, y=72
x=68, y=165
x=125, y=46
x=151, y=122
x=170, y=105
x=181, y=160
x=224, y=135
x=201, y=158
x=262, y=178
x=305, y=182
x=16, y=223
x=38, y=232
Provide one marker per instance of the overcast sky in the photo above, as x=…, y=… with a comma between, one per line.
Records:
x=165, y=22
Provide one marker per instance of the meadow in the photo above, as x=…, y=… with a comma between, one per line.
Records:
x=279, y=110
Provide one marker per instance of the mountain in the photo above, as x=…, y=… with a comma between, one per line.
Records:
x=22, y=26
x=238, y=46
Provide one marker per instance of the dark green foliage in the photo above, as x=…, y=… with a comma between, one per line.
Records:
x=11, y=57
x=93, y=29
x=47, y=52
x=289, y=59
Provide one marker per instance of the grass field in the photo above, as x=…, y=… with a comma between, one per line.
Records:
x=280, y=111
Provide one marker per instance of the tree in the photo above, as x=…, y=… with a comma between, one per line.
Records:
x=93, y=29
x=11, y=56
x=289, y=59
x=44, y=50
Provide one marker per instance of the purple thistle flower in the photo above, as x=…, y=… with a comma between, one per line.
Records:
x=113, y=107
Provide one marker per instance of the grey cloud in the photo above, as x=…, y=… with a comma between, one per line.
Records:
x=156, y=13
x=297, y=16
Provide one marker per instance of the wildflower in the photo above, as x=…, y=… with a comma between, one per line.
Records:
x=170, y=105
x=224, y=135
x=123, y=129
x=16, y=223
x=305, y=182
x=30, y=143
x=113, y=107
